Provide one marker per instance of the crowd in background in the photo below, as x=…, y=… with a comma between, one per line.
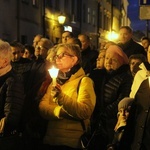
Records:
x=106, y=89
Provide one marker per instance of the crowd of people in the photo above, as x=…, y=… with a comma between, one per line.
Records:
x=105, y=89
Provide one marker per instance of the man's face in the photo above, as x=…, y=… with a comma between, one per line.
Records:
x=16, y=54
x=124, y=36
x=36, y=40
x=41, y=50
x=65, y=37
x=85, y=43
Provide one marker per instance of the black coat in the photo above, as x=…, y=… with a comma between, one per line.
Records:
x=110, y=88
x=89, y=59
x=11, y=101
x=132, y=47
x=137, y=132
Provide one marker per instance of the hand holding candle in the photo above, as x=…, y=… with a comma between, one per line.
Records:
x=53, y=73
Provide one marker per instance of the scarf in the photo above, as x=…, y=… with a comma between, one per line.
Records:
x=63, y=77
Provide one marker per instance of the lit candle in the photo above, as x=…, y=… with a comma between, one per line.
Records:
x=53, y=73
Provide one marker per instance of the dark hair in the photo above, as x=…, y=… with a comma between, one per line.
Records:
x=30, y=48
x=85, y=36
x=145, y=38
x=70, y=33
x=138, y=56
x=17, y=45
x=76, y=41
x=127, y=27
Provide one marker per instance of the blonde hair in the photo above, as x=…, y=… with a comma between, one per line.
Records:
x=72, y=49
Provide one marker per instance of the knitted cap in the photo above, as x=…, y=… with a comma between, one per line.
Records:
x=119, y=54
x=125, y=103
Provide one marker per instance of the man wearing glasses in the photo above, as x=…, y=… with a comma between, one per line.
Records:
x=42, y=48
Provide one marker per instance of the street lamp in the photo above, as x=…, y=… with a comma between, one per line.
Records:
x=112, y=36
x=61, y=19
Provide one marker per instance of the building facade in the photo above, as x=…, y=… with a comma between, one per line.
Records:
x=26, y=18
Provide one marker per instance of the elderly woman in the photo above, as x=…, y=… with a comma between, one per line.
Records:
x=70, y=101
x=111, y=85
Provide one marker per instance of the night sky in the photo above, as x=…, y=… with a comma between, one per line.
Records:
x=133, y=13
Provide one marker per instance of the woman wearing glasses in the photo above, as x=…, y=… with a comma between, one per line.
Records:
x=69, y=102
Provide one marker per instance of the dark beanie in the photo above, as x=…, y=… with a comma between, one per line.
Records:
x=125, y=103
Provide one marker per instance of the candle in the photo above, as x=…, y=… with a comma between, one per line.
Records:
x=53, y=73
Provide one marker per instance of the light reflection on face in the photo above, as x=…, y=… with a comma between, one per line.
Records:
x=111, y=62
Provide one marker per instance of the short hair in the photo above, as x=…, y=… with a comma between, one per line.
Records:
x=76, y=41
x=127, y=28
x=70, y=33
x=39, y=35
x=5, y=50
x=87, y=38
x=138, y=56
x=145, y=38
x=17, y=45
x=72, y=48
x=47, y=43
x=30, y=48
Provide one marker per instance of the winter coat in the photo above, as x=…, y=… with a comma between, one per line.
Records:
x=78, y=104
x=132, y=47
x=110, y=88
x=137, y=132
x=89, y=57
x=11, y=102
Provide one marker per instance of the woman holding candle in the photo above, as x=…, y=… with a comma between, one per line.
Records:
x=68, y=102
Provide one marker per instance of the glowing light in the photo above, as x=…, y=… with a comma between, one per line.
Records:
x=53, y=73
x=61, y=19
x=112, y=36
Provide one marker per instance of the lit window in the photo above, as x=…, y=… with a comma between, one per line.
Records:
x=35, y=2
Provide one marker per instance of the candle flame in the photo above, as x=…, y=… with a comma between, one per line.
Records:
x=53, y=72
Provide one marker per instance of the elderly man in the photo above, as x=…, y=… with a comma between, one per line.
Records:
x=126, y=42
x=11, y=100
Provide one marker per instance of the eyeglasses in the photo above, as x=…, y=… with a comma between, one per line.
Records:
x=40, y=47
x=61, y=55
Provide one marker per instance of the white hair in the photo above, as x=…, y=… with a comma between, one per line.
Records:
x=5, y=50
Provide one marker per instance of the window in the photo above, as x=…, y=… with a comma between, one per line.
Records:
x=93, y=18
x=89, y=15
x=35, y=3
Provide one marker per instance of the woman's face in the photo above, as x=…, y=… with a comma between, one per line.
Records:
x=26, y=54
x=133, y=63
x=111, y=62
x=100, y=60
x=124, y=113
x=64, y=59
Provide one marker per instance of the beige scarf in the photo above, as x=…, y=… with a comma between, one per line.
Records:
x=6, y=69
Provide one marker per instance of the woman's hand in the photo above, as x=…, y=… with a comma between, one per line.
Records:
x=56, y=90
